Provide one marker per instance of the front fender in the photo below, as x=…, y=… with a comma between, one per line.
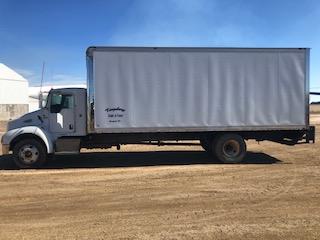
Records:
x=9, y=136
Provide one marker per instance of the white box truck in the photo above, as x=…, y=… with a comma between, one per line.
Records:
x=219, y=96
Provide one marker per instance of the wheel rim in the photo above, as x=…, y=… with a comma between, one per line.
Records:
x=28, y=154
x=231, y=148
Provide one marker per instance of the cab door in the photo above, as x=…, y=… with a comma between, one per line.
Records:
x=62, y=113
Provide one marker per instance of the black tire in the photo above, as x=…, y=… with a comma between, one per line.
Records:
x=29, y=153
x=229, y=148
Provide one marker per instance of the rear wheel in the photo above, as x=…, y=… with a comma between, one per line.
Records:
x=229, y=148
x=29, y=153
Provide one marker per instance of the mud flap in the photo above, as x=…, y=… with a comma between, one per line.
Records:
x=310, y=134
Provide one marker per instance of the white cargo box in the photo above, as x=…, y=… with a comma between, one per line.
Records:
x=197, y=89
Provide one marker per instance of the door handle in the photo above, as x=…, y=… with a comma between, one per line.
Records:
x=70, y=126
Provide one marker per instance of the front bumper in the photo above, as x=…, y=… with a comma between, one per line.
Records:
x=5, y=149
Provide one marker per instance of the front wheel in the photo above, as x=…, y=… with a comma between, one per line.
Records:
x=29, y=153
x=230, y=148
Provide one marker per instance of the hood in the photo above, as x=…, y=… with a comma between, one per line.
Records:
x=29, y=119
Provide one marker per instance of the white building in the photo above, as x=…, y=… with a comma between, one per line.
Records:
x=13, y=94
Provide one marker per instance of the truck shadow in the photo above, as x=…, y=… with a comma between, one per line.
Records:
x=137, y=159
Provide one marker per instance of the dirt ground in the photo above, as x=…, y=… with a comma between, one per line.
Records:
x=166, y=193
x=315, y=108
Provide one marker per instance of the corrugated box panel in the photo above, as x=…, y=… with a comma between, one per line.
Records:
x=199, y=90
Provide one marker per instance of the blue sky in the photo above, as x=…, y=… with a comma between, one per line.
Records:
x=59, y=31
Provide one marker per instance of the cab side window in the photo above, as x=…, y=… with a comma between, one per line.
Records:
x=61, y=101
x=67, y=101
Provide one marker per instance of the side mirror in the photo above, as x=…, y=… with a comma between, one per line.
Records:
x=40, y=99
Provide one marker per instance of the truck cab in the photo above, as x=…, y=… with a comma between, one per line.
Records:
x=66, y=112
x=49, y=129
